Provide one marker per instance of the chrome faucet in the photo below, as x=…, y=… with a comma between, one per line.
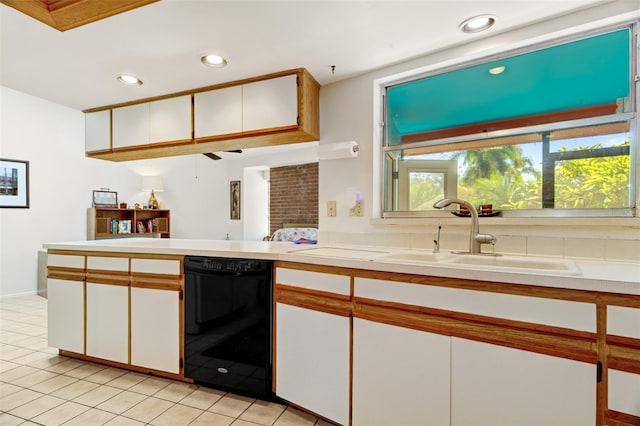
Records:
x=475, y=237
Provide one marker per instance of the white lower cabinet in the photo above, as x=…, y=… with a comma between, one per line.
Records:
x=108, y=322
x=624, y=392
x=66, y=314
x=494, y=385
x=312, y=361
x=155, y=337
x=400, y=376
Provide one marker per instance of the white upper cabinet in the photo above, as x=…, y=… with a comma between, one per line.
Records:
x=97, y=127
x=170, y=119
x=131, y=125
x=218, y=112
x=157, y=121
x=270, y=103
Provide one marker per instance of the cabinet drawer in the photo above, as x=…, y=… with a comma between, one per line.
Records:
x=156, y=266
x=340, y=284
x=623, y=321
x=560, y=313
x=108, y=263
x=65, y=261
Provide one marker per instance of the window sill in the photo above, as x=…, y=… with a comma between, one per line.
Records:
x=631, y=222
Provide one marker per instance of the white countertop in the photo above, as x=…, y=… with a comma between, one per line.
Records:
x=581, y=274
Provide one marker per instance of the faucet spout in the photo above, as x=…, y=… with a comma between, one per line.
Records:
x=475, y=238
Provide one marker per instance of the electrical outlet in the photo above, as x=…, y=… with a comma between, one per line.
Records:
x=357, y=209
x=331, y=208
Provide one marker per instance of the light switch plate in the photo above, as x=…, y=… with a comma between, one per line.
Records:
x=331, y=209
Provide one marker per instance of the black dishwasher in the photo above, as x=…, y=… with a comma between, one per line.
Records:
x=228, y=321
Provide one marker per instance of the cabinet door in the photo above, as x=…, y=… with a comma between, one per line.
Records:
x=408, y=370
x=108, y=322
x=312, y=361
x=170, y=119
x=218, y=112
x=65, y=314
x=270, y=103
x=155, y=338
x=624, y=392
x=493, y=385
x=97, y=131
x=131, y=125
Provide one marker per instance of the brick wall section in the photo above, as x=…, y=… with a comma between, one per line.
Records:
x=293, y=195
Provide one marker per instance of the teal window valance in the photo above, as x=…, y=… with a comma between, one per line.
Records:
x=578, y=74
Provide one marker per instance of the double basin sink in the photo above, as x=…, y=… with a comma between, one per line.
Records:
x=506, y=263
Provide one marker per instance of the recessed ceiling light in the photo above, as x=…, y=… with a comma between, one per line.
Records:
x=497, y=70
x=129, y=80
x=477, y=23
x=214, y=61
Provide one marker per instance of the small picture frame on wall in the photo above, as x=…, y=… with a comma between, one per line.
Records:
x=234, y=192
x=14, y=183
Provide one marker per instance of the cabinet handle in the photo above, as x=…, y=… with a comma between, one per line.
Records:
x=599, y=372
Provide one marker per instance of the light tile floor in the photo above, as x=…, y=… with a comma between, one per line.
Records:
x=39, y=387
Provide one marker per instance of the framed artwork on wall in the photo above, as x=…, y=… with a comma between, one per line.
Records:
x=234, y=191
x=14, y=183
x=105, y=198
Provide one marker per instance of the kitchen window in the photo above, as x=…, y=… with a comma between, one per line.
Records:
x=548, y=131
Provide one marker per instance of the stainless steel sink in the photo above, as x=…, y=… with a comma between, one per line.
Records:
x=517, y=263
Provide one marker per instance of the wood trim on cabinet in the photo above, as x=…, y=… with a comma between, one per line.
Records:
x=129, y=367
x=623, y=359
x=615, y=418
x=513, y=334
x=140, y=276
x=312, y=300
x=151, y=145
x=312, y=267
x=64, y=273
x=558, y=293
x=108, y=279
x=602, y=384
x=242, y=142
x=157, y=285
x=311, y=292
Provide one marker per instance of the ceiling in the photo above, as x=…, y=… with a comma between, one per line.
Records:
x=162, y=42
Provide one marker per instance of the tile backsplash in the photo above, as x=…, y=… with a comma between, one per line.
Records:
x=611, y=243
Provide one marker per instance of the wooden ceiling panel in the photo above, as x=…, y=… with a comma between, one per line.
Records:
x=67, y=14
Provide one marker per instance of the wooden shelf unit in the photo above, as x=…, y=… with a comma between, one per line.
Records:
x=100, y=219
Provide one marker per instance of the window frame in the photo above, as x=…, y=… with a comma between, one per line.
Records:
x=381, y=85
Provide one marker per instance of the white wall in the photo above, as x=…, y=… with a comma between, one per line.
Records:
x=61, y=181
x=347, y=113
x=255, y=203
x=51, y=138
